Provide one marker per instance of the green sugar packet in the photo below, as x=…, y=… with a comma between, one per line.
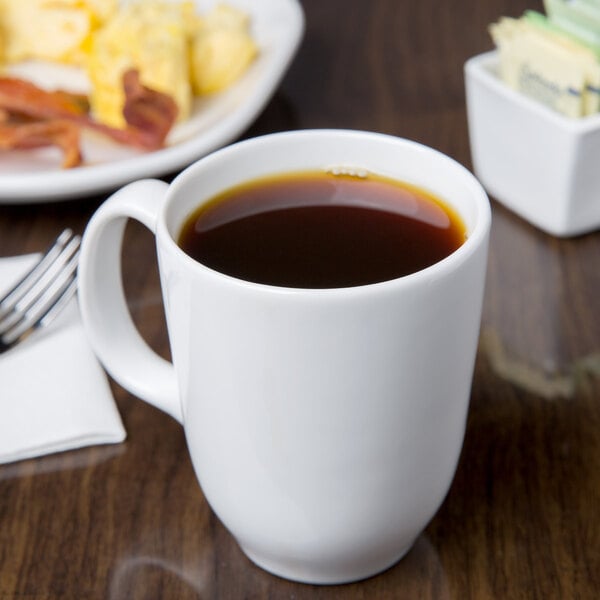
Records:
x=581, y=18
x=592, y=3
x=541, y=21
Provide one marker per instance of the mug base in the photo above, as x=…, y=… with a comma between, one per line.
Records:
x=322, y=574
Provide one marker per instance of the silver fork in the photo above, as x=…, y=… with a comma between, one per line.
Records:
x=42, y=293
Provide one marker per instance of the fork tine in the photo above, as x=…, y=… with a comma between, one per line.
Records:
x=42, y=313
x=42, y=293
x=64, y=259
x=10, y=299
x=23, y=302
x=35, y=304
x=49, y=316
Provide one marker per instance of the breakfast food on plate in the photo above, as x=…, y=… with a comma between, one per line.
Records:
x=141, y=57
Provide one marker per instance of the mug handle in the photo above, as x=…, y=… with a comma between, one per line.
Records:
x=105, y=315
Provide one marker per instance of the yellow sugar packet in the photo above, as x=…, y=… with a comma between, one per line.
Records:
x=550, y=68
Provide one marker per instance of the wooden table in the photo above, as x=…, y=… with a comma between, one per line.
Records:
x=522, y=519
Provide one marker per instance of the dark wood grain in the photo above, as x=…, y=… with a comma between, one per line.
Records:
x=522, y=519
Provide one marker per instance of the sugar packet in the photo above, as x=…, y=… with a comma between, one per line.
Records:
x=539, y=60
x=580, y=18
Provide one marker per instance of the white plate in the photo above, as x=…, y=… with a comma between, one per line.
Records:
x=36, y=176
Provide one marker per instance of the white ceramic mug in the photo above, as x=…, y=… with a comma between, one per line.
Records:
x=324, y=425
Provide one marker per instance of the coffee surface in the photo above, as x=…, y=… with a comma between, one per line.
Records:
x=319, y=230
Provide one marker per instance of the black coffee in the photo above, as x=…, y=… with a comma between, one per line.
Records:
x=319, y=230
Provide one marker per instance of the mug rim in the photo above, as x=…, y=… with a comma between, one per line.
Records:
x=476, y=237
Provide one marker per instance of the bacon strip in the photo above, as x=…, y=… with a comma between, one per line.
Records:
x=38, y=134
x=149, y=115
x=147, y=111
x=25, y=98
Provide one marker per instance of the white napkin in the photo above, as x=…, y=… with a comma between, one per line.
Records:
x=54, y=395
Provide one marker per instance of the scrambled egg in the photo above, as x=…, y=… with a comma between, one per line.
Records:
x=151, y=37
x=58, y=30
x=222, y=48
x=175, y=50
